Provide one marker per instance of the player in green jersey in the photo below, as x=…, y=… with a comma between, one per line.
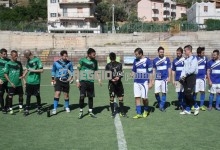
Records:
x=87, y=67
x=34, y=68
x=13, y=72
x=3, y=82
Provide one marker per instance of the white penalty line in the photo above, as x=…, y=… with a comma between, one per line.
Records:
x=122, y=144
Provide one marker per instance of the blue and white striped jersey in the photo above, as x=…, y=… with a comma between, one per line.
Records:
x=161, y=66
x=214, y=67
x=202, y=67
x=177, y=66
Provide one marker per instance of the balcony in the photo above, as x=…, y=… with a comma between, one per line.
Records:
x=76, y=2
x=75, y=16
x=155, y=15
x=166, y=16
x=173, y=10
x=155, y=7
x=166, y=9
x=167, y=1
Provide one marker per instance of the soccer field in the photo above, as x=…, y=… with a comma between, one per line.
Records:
x=64, y=131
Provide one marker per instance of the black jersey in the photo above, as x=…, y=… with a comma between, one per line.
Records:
x=116, y=69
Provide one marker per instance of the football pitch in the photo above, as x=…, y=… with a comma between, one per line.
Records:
x=64, y=131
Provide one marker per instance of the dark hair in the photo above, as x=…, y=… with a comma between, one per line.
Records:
x=3, y=50
x=63, y=52
x=139, y=50
x=200, y=49
x=14, y=51
x=90, y=50
x=216, y=51
x=160, y=48
x=180, y=49
x=189, y=47
x=112, y=56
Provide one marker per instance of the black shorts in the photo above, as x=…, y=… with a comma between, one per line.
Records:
x=115, y=89
x=87, y=89
x=4, y=87
x=32, y=89
x=62, y=86
x=15, y=91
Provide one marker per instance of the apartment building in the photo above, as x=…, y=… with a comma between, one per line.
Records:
x=4, y=3
x=160, y=10
x=72, y=16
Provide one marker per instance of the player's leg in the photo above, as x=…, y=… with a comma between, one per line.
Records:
x=66, y=88
x=111, y=89
x=119, y=90
x=20, y=93
x=91, y=95
x=202, y=94
x=164, y=95
x=137, y=95
x=11, y=92
x=144, y=96
x=157, y=90
x=28, y=90
x=218, y=97
x=58, y=89
x=2, y=91
x=211, y=96
x=177, y=89
x=197, y=89
x=82, y=90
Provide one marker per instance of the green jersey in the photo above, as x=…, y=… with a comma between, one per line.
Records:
x=3, y=61
x=87, y=68
x=14, y=70
x=34, y=64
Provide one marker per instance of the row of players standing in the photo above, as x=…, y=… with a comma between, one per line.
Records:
x=161, y=71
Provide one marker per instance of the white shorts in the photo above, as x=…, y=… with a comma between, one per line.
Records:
x=200, y=85
x=160, y=86
x=179, y=87
x=141, y=90
x=215, y=88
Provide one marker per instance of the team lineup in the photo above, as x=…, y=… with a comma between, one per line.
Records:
x=187, y=73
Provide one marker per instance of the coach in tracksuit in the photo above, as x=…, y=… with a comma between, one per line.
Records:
x=188, y=80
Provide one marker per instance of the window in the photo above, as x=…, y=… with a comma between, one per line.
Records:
x=80, y=10
x=65, y=12
x=52, y=1
x=205, y=8
x=53, y=14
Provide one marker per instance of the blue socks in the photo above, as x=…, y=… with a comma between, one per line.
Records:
x=202, y=99
x=211, y=97
x=180, y=98
x=146, y=108
x=55, y=103
x=157, y=98
x=138, y=109
x=162, y=103
x=66, y=103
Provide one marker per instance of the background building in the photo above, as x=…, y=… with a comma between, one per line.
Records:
x=199, y=12
x=160, y=10
x=72, y=16
x=4, y=3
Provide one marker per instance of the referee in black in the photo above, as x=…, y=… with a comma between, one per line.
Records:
x=188, y=80
x=115, y=85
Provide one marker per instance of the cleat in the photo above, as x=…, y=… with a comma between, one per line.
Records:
x=92, y=115
x=113, y=114
x=193, y=108
x=162, y=109
x=26, y=113
x=145, y=114
x=21, y=110
x=67, y=110
x=123, y=115
x=4, y=111
x=218, y=108
x=80, y=115
x=39, y=112
x=196, y=112
x=203, y=108
x=54, y=111
x=137, y=116
x=209, y=108
x=185, y=112
x=11, y=112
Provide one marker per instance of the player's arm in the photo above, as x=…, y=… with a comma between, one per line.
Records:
x=173, y=77
x=169, y=70
x=40, y=67
x=97, y=75
x=71, y=72
x=119, y=72
x=6, y=71
x=53, y=73
x=208, y=77
x=79, y=66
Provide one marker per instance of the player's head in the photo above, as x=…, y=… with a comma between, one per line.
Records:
x=14, y=55
x=201, y=51
x=215, y=54
x=160, y=51
x=91, y=53
x=3, y=53
x=64, y=55
x=138, y=52
x=27, y=54
x=179, y=52
x=188, y=50
x=112, y=56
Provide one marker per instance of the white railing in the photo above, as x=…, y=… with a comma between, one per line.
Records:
x=155, y=15
x=76, y=1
